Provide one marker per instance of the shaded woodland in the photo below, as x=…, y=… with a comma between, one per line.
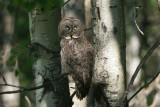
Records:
x=29, y=63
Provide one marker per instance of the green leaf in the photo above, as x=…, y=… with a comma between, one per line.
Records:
x=150, y=99
x=11, y=62
x=11, y=8
x=14, y=51
x=16, y=73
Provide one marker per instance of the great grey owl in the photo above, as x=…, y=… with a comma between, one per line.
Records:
x=77, y=56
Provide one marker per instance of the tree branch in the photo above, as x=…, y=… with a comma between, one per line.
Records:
x=135, y=15
x=65, y=3
x=23, y=89
x=73, y=94
x=89, y=28
x=144, y=86
x=12, y=86
x=1, y=72
x=137, y=70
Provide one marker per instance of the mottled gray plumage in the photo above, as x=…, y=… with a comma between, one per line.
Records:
x=76, y=55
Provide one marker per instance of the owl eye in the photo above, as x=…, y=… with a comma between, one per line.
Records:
x=75, y=27
x=67, y=27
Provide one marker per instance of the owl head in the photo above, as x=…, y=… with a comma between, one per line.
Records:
x=70, y=28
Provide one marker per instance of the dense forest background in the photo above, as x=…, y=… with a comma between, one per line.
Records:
x=142, y=27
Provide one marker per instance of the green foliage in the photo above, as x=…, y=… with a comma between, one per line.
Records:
x=11, y=62
x=28, y=5
x=16, y=72
x=150, y=98
x=21, y=51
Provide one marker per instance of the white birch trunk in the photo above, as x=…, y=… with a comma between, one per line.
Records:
x=109, y=45
x=44, y=30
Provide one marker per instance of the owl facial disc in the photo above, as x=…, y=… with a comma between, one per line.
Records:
x=70, y=28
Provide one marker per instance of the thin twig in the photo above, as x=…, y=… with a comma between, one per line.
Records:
x=137, y=70
x=28, y=101
x=3, y=77
x=12, y=86
x=65, y=3
x=138, y=27
x=144, y=86
x=23, y=89
x=135, y=15
x=6, y=84
x=88, y=28
x=73, y=94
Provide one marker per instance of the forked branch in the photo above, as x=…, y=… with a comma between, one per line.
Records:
x=144, y=59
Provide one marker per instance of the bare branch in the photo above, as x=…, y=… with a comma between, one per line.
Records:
x=138, y=27
x=1, y=72
x=23, y=89
x=135, y=15
x=73, y=94
x=138, y=68
x=144, y=86
x=89, y=28
x=12, y=86
x=65, y=3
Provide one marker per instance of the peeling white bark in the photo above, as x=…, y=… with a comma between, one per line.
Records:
x=44, y=30
x=109, y=44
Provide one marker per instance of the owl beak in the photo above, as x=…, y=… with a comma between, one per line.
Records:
x=72, y=33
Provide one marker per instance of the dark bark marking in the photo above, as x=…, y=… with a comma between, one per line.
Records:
x=104, y=27
x=117, y=79
x=98, y=12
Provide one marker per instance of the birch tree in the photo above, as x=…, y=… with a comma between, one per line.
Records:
x=44, y=37
x=110, y=55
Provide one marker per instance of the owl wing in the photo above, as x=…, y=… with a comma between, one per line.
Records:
x=83, y=74
x=88, y=64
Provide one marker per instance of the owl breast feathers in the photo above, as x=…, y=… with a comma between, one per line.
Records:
x=76, y=55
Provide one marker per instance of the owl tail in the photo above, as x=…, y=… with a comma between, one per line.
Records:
x=82, y=90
